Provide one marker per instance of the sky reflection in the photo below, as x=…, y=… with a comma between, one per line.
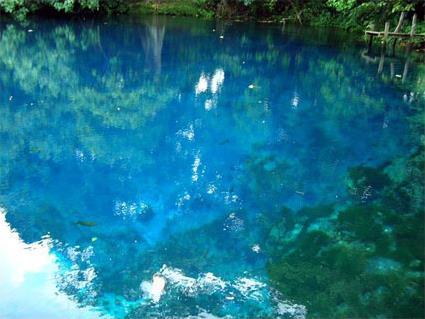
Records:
x=28, y=274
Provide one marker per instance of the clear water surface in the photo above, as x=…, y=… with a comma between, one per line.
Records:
x=181, y=168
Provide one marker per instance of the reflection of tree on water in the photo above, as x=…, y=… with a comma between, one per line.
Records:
x=398, y=70
x=153, y=40
x=383, y=58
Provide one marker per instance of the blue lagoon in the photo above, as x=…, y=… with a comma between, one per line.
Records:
x=171, y=167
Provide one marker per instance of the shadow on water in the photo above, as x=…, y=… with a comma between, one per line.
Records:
x=176, y=167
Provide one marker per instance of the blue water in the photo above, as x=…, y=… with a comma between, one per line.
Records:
x=137, y=159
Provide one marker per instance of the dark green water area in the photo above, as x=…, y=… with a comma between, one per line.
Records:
x=179, y=168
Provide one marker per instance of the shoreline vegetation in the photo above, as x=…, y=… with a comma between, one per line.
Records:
x=352, y=15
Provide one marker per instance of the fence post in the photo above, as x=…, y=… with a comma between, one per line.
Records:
x=413, y=30
x=400, y=22
x=386, y=30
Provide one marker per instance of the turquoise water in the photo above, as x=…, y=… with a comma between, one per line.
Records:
x=189, y=169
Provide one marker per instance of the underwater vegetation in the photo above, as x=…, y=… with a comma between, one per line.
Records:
x=364, y=258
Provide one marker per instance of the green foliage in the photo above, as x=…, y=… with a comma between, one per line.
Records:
x=349, y=14
x=20, y=8
x=192, y=8
x=17, y=8
x=355, y=14
x=342, y=6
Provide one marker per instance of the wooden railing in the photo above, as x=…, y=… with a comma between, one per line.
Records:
x=386, y=34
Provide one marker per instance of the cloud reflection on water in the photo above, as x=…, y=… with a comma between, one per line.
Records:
x=28, y=280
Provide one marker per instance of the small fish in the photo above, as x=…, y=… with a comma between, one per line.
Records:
x=225, y=141
x=85, y=223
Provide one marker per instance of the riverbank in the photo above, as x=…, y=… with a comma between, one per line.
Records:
x=331, y=13
x=189, y=8
x=328, y=14
x=353, y=15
